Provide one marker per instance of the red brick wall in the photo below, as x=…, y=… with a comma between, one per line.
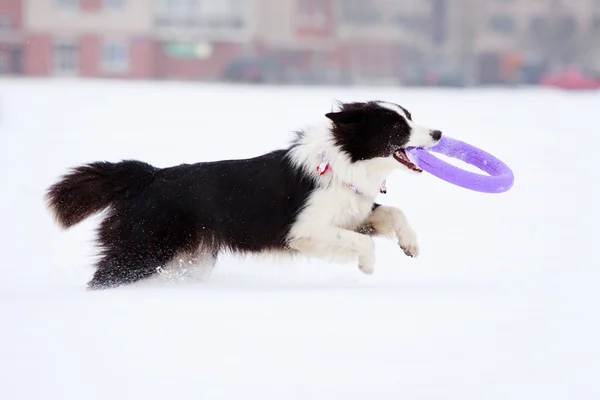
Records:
x=38, y=55
x=14, y=10
x=141, y=59
x=142, y=56
x=89, y=55
x=196, y=68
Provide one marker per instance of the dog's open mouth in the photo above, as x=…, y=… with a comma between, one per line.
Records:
x=402, y=158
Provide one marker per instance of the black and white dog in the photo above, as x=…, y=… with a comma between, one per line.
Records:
x=315, y=197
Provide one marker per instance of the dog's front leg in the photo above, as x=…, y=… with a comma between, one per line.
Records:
x=387, y=221
x=337, y=243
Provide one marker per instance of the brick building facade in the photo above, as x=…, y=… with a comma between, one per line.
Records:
x=294, y=40
x=89, y=38
x=199, y=39
x=11, y=37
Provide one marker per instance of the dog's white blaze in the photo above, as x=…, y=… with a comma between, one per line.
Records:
x=365, y=175
x=324, y=227
x=394, y=108
x=420, y=136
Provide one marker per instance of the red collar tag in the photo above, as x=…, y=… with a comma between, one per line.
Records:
x=323, y=167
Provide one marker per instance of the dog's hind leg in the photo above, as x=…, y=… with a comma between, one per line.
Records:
x=125, y=267
x=197, y=264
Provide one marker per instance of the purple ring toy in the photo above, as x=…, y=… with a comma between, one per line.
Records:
x=500, y=178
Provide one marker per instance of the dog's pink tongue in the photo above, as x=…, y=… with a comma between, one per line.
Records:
x=403, y=157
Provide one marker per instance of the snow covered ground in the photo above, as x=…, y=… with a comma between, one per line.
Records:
x=502, y=303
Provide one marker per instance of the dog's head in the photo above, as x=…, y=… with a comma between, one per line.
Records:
x=377, y=129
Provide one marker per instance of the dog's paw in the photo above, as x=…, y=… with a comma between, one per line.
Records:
x=408, y=243
x=366, y=269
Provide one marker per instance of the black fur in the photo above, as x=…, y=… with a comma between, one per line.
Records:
x=91, y=188
x=367, y=130
x=238, y=205
x=247, y=205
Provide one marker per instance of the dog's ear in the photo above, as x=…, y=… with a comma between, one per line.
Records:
x=346, y=117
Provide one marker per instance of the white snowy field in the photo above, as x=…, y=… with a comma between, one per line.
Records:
x=501, y=304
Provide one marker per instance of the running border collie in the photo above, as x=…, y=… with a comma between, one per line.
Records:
x=315, y=198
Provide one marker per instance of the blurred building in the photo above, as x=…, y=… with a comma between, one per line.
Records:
x=383, y=38
x=89, y=38
x=296, y=40
x=418, y=42
x=448, y=42
x=341, y=40
x=11, y=37
x=200, y=39
x=497, y=41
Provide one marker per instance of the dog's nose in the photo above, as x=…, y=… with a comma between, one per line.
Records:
x=436, y=135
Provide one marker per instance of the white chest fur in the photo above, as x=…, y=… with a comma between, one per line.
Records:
x=324, y=226
x=337, y=205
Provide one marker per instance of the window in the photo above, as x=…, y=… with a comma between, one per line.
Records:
x=66, y=4
x=113, y=4
x=211, y=14
x=115, y=56
x=65, y=58
x=502, y=24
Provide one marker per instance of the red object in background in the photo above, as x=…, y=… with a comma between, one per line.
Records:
x=571, y=78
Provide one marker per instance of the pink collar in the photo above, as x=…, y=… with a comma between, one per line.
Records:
x=325, y=166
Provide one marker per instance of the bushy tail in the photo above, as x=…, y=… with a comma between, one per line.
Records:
x=90, y=188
